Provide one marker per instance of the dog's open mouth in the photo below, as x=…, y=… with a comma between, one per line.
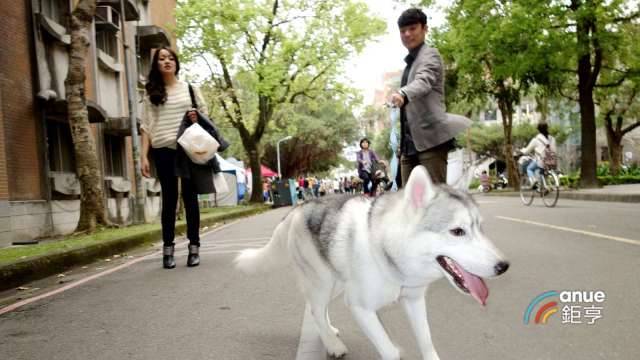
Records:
x=466, y=281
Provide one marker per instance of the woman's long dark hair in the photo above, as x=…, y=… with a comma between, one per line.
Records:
x=543, y=128
x=155, y=83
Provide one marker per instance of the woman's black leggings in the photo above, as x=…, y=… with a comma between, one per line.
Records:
x=165, y=166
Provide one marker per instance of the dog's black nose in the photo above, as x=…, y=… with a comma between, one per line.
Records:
x=501, y=267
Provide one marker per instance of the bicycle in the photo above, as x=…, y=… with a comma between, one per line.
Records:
x=547, y=184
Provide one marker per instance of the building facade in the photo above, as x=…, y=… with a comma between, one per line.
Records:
x=39, y=190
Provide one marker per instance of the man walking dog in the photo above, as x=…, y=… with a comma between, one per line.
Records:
x=427, y=131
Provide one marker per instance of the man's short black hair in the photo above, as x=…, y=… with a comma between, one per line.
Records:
x=412, y=16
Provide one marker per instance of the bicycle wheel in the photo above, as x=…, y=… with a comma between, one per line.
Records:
x=526, y=190
x=550, y=190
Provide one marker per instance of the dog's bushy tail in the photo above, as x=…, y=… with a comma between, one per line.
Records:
x=269, y=257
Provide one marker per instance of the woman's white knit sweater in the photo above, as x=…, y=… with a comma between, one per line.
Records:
x=161, y=123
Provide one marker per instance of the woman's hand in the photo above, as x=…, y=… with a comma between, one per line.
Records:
x=146, y=170
x=193, y=116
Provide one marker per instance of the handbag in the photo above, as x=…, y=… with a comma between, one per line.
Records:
x=199, y=145
x=224, y=144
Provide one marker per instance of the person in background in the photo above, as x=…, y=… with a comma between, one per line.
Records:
x=537, y=147
x=367, y=158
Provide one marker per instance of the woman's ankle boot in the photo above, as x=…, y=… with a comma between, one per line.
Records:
x=167, y=257
x=194, y=256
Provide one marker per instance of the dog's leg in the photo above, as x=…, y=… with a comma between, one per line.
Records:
x=333, y=329
x=338, y=288
x=317, y=287
x=319, y=304
x=415, y=306
x=373, y=329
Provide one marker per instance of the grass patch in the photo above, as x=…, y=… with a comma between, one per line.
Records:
x=62, y=244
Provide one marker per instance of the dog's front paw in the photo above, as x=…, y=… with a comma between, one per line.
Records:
x=337, y=350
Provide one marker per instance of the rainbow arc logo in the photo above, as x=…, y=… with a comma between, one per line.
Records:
x=549, y=307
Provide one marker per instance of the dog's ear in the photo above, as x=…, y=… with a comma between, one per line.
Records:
x=420, y=188
x=463, y=182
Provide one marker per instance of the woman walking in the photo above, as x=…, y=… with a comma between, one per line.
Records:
x=167, y=99
x=367, y=159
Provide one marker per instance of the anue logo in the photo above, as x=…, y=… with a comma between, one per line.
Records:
x=576, y=306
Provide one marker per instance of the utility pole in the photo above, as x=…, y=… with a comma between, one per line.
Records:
x=130, y=69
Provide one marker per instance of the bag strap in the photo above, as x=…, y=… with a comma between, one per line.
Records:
x=546, y=143
x=194, y=103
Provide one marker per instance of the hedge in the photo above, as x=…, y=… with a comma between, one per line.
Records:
x=574, y=181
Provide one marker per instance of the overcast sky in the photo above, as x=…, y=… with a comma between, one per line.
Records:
x=386, y=53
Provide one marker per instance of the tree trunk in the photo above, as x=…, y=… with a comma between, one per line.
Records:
x=588, y=162
x=614, y=143
x=92, y=210
x=542, y=106
x=506, y=109
x=256, y=176
x=586, y=82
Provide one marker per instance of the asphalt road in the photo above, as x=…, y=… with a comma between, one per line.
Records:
x=140, y=311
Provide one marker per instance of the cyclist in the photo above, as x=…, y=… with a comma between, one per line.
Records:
x=538, y=147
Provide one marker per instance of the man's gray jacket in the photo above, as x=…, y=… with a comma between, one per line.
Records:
x=428, y=121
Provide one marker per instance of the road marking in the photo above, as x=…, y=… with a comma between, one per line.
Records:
x=310, y=346
x=220, y=241
x=577, y=231
x=74, y=284
x=485, y=202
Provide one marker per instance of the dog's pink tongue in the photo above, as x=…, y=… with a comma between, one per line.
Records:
x=476, y=286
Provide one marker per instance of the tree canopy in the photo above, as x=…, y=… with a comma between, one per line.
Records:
x=267, y=54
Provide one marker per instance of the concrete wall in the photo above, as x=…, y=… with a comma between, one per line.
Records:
x=26, y=220
x=163, y=14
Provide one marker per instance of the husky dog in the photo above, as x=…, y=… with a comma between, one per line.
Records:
x=382, y=250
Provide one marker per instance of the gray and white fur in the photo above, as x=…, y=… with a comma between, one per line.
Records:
x=379, y=251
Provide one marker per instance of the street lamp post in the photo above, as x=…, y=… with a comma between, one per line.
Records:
x=278, y=154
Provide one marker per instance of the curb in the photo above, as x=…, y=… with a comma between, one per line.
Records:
x=570, y=195
x=22, y=272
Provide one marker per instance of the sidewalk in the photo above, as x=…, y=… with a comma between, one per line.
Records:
x=59, y=259
x=629, y=193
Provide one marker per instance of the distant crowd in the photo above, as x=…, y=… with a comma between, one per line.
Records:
x=311, y=187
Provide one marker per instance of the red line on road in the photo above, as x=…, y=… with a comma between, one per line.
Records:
x=19, y=304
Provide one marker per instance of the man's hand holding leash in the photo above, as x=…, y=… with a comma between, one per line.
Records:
x=397, y=100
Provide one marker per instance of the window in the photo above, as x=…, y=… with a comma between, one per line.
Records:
x=60, y=146
x=107, y=21
x=490, y=115
x=107, y=41
x=114, y=156
x=144, y=66
x=56, y=10
x=604, y=153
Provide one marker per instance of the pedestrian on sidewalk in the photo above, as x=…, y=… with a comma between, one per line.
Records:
x=166, y=100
